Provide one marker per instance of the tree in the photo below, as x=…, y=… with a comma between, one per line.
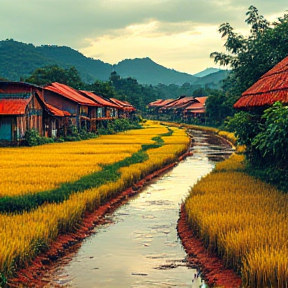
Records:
x=218, y=108
x=54, y=73
x=250, y=57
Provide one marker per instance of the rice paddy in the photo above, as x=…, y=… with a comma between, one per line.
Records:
x=29, y=171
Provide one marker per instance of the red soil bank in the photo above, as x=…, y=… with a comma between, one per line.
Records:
x=211, y=266
x=34, y=275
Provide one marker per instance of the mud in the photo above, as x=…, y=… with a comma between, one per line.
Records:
x=213, y=269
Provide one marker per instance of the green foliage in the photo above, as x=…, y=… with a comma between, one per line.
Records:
x=54, y=73
x=245, y=126
x=130, y=90
x=272, y=140
x=218, y=107
x=107, y=127
x=32, y=138
x=266, y=138
x=252, y=56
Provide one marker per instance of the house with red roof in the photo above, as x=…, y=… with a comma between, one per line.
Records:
x=196, y=110
x=107, y=111
x=82, y=110
x=126, y=110
x=184, y=108
x=20, y=109
x=271, y=87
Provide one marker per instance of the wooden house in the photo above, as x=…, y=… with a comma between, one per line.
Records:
x=107, y=111
x=155, y=106
x=271, y=87
x=82, y=110
x=175, y=108
x=126, y=110
x=20, y=109
x=196, y=110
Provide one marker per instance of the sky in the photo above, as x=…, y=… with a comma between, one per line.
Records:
x=177, y=34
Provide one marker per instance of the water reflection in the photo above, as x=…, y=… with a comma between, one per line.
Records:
x=138, y=246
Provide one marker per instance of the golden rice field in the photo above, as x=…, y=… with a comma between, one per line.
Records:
x=24, y=235
x=245, y=221
x=33, y=169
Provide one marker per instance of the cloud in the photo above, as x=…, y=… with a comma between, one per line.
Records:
x=110, y=29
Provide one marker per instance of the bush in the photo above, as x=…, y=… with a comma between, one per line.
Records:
x=32, y=138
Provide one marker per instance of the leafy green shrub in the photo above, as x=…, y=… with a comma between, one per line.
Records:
x=32, y=138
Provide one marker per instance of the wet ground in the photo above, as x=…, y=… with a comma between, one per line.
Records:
x=138, y=245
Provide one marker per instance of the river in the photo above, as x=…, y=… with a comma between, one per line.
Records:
x=138, y=245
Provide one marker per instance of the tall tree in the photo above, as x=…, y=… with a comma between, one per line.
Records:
x=250, y=57
x=54, y=73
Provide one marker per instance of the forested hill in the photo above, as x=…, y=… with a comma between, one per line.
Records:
x=147, y=71
x=18, y=60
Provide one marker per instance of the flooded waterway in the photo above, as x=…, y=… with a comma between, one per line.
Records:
x=138, y=245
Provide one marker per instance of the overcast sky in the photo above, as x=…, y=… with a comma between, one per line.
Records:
x=178, y=34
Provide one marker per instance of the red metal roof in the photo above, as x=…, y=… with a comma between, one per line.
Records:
x=271, y=87
x=13, y=106
x=160, y=102
x=126, y=106
x=70, y=93
x=179, y=103
x=98, y=99
x=198, y=106
x=56, y=112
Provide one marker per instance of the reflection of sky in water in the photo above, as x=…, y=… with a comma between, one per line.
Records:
x=140, y=247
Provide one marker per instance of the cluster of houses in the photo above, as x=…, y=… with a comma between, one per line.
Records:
x=184, y=109
x=52, y=108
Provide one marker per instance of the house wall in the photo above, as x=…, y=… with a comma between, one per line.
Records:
x=34, y=116
x=61, y=103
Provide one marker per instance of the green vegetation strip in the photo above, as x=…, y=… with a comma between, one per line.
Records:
x=109, y=173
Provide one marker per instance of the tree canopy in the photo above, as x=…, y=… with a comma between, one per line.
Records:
x=252, y=56
x=249, y=57
x=54, y=73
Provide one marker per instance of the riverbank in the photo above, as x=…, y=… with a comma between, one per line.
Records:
x=243, y=221
x=35, y=275
x=211, y=266
x=29, y=172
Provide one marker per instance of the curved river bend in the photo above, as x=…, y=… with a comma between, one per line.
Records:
x=138, y=246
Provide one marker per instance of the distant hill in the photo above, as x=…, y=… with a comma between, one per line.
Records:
x=18, y=60
x=206, y=72
x=213, y=80
x=147, y=71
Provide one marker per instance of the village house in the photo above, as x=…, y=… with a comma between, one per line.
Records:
x=107, y=111
x=20, y=109
x=126, y=110
x=271, y=87
x=196, y=110
x=153, y=107
x=82, y=110
x=183, y=108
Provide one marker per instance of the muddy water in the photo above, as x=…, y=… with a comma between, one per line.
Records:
x=138, y=246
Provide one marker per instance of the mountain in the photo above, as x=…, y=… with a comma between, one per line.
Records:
x=147, y=71
x=213, y=80
x=18, y=60
x=206, y=72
